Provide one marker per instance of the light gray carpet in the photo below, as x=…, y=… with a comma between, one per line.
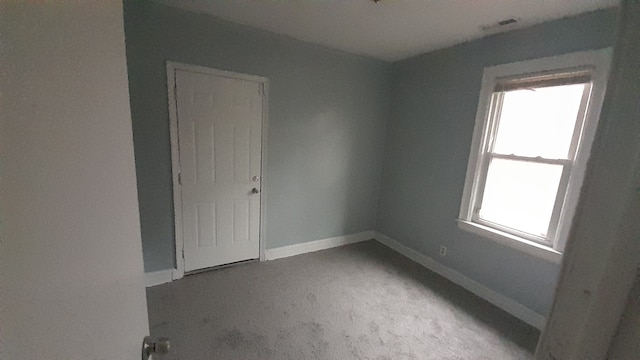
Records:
x=361, y=301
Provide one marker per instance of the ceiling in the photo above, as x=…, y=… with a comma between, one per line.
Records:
x=390, y=29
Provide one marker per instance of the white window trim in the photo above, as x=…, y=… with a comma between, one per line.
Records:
x=599, y=62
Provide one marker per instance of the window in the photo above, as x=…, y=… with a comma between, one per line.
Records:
x=534, y=128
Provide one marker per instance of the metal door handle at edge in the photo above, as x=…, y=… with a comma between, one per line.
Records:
x=152, y=346
x=255, y=190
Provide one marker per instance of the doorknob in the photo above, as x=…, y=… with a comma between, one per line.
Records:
x=255, y=190
x=154, y=346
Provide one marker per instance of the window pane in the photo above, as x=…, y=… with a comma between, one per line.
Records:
x=539, y=122
x=521, y=195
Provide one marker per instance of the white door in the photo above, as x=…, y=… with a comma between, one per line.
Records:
x=219, y=139
x=71, y=274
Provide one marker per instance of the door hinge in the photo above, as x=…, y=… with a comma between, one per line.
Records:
x=179, y=178
x=261, y=89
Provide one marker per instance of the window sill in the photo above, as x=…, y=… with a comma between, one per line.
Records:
x=512, y=241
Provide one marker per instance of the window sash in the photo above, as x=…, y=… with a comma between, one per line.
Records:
x=485, y=157
x=558, y=202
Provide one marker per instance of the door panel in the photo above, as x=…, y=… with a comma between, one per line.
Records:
x=71, y=268
x=219, y=134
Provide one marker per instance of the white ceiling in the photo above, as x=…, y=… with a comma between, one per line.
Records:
x=390, y=29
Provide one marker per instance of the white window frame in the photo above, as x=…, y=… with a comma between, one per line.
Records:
x=597, y=63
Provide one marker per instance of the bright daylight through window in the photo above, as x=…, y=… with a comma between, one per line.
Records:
x=534, y=130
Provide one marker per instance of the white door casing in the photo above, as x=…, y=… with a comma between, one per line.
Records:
x=219, y=136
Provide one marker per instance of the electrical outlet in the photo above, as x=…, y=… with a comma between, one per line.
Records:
x=443, y=251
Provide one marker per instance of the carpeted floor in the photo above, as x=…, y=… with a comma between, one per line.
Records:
x=361, y=301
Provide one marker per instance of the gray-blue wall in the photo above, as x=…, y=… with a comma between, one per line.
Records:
x=330, y=114
x=327, y=115
x=433, y=107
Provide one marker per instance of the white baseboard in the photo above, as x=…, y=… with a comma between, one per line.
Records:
x=505, y=303
x=158, y=277
x=316, y=245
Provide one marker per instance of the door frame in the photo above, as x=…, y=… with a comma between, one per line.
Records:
x=172, y=66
